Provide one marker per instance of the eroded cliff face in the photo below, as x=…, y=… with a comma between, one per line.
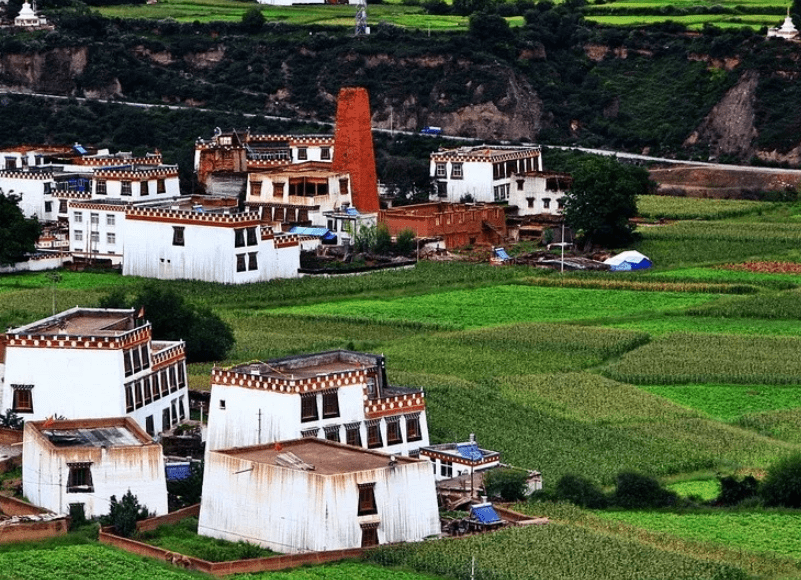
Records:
x=52, y=71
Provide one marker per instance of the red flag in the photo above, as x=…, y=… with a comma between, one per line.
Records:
x=48, y=422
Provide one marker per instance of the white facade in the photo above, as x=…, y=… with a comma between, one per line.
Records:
x=342, y=396
x=483, y=173
x=213, y=247
x=351, y=498
x=136, y=182
x=539, y=192
x=88, y=461
x=347, y=221
x=96, y=230
x=786, y=31
x=94, y=363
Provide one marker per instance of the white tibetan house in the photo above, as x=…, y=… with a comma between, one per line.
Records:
x=92, y=363
x=84, y=462
x=314, y=495
x=27, y=17
x=339, y=395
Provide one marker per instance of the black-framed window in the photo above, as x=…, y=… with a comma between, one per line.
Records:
x=155, y=387
x=332, y=433
x=23, y=398
x=137, y=387
x=148, y=392
x=330, y=404
x=456, y=171
x=178, y=236
x=253, y=261
x=239, y=237
x=161, y=186
x=413, y=430
x=80, y=478
x=173, y=380
x=446, y=469
x=353, y=435
x=369, y=535
x=374, y=435
x=149, y=428
x=129, y=402
x=394, y=434
x=137, y=360
x=367, y=505
x=125, y=188
x=145, y=356
x=165, y=384
x=308, y=408
x=303, y=153
x=143, y=188
x=251, y=236
x=325, y=153
x=240, y=263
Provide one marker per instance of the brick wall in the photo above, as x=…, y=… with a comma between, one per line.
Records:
x=32, y=531
x=170, y=518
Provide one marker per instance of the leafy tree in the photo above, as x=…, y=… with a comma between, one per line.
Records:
x=253, y=19
x=487, y=27
x=602, y=200
x=635, y=491
x=734, y=491
x=186, y=492
x=124, y=514
x=10, y=420
x=509, y=484
x=782, y=486
x=207, y=336
x=18, y=235
x=383, y=240
x=580, y=491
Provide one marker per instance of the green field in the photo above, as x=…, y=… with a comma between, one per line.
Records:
x=683, y=208
x=589, y=374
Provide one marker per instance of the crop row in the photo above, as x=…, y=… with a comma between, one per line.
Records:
x=556, y=552
x=779, y=306
x=658, y=326
x=684, y=358
x=682, y=208
x=639, y=285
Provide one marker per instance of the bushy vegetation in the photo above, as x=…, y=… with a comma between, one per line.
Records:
x=682, y=208
x=124, y=513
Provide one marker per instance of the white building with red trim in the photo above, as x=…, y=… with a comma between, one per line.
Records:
x=94, y=363
x=212, y=245
x=79, y=464
x=482, y=173
x=339, y=395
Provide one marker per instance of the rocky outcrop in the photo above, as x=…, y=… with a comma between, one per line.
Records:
x=52, y=71
x=729, y=127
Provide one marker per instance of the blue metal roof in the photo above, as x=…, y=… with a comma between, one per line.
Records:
x=470, y=451
x=177, y=471
x=485, y=513
x=352, y=211
x=318, y=232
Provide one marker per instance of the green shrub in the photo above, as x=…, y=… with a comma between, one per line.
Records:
x=508, y=484
x=637, y=491
x=580, y=491
x=782, y=486
x=124, y=514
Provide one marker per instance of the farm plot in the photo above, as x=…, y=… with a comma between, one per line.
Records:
x=730, y=274
x=541, y=552
x=780, y=306
x=730, y=402
x=706, y=489
x=688, y=358
x=781, y=425
x=691, y=243
x=683, y=208
x=693, y=21
x=772, y=532
x=555, y=444
x=661, y=325
x=497, y=305
x=589, y=397
x=510, y=350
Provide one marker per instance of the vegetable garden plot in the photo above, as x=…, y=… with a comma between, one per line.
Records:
x=683, y=358
x=680, y=208
x=730, y=402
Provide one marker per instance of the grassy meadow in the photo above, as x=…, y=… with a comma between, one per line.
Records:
x=666, y=372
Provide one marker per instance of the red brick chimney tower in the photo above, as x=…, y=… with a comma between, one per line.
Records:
x=353, y=147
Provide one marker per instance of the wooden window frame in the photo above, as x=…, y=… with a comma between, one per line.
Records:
x=394, y=432
x=367, y=505
x=330, y=404
x=22, y=399
x=308, y=408
x=374, y=440
x=79, y=479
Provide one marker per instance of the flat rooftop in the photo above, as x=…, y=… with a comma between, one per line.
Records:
x=326, y=457
x=311, y=365
x=110, y=432
x=82, y=322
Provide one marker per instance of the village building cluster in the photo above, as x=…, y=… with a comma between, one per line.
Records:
x=312, y=452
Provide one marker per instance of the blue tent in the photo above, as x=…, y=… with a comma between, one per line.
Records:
x=629, y=260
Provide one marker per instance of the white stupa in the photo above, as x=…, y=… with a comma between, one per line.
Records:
x=27, y=17
x=786, y=31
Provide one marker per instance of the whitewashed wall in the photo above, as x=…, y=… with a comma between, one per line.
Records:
x=534, y=187
x=31, y=192
x=295, y=511
x=114, y=471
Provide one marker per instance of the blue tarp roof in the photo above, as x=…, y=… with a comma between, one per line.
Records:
x=323, y=233
x=470, y=451
x=352, y=211
x=485, y=513
x=501, y=253
x=177, y=471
